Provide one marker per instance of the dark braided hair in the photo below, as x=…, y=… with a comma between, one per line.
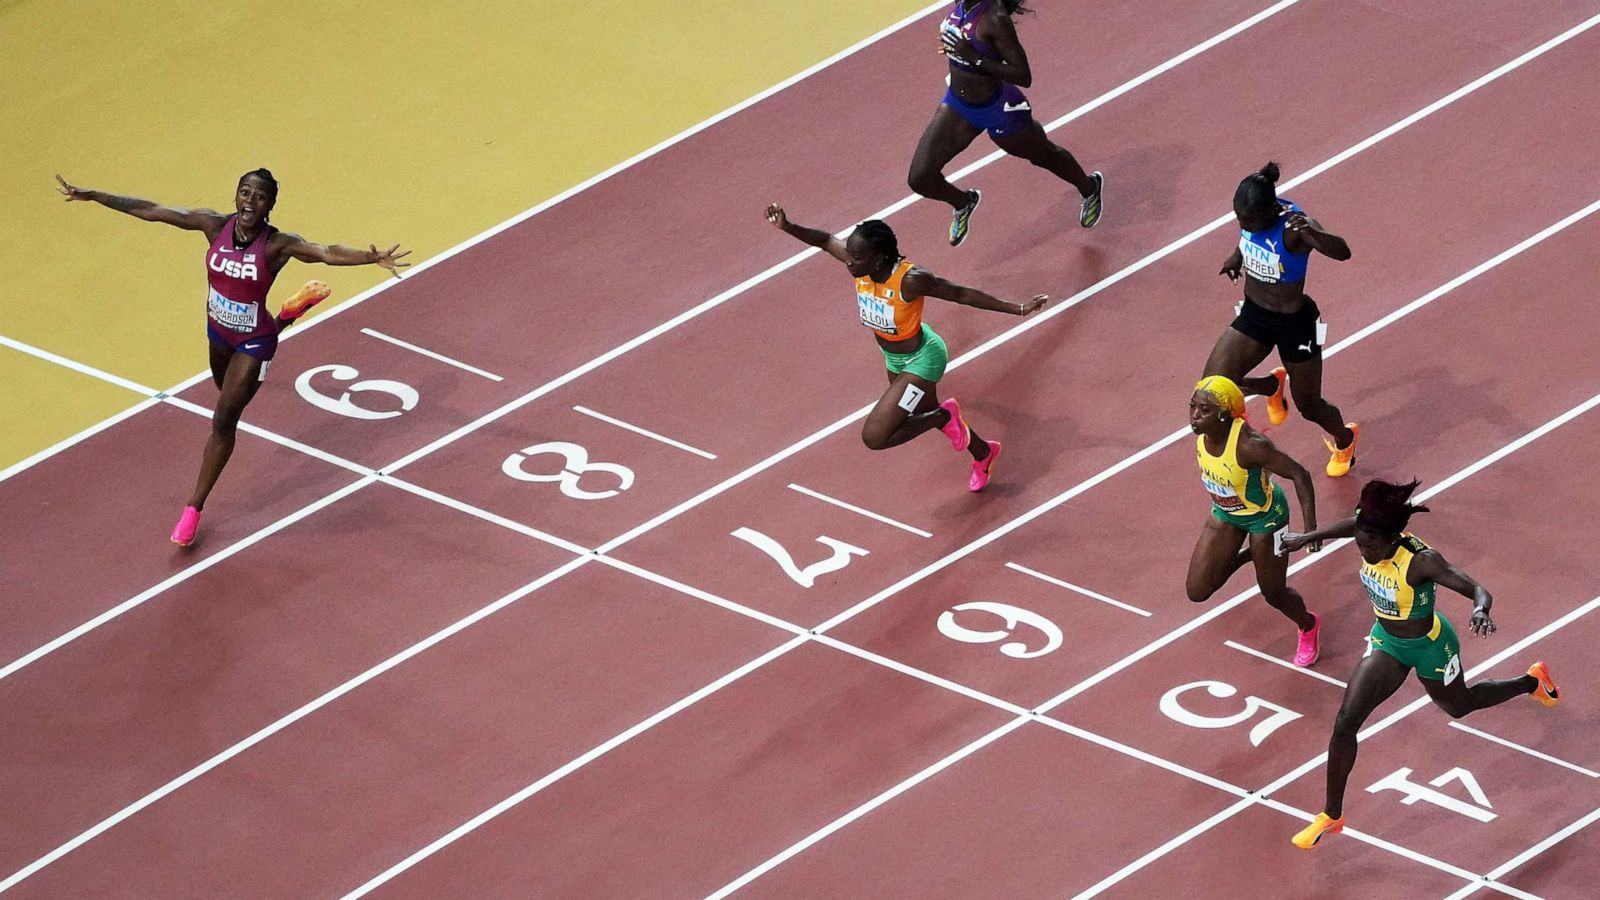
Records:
x=264, y=175
x=1257, y=193
x=1016, y=7
x=1385, y=507
x=880, y=237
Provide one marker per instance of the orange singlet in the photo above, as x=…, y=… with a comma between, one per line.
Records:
x=885, y=308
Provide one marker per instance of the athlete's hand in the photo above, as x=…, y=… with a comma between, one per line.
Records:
x=1034, y=305
x=69, y=191
x=1481, y=624
x=389, y=259
x=1233, y=269
x=1293, y=541
x=777, y=216
x=1298, y=224
x=958, y=48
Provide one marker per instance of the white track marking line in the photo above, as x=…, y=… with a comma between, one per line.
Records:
x=518, y=219
x=649, y=434
x=575, y=764
x=372, y=332
x=487, y=516
x=1371, y=730
x=183, y=575
x=1045, y=708
x=1015, y=567
x=288, y=720
x=669, y=325
x=1285, y=663
x=1521, y=858
x=876, y=517
x=274, y=437
x=818, y=436
x=75, y=366
x=76, y=439
x=801, y=256
x=1521, y=749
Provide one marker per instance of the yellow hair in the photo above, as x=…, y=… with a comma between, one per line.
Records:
x=1226, y=394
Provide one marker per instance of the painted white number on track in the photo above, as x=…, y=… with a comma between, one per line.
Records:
x=808, y=576
x=1400, y=780
x=344, y=405
x=575, y=465
x=1012, y=616
x=1277, y=718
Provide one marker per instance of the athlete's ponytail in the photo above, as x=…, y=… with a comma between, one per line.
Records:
x=1386, y=507
x=1256, y=192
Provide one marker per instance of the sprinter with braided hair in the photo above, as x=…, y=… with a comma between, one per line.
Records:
x=889, y=293
x=1400, y=574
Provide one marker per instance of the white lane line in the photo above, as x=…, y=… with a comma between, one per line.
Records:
x=801, y=256
x=816, y=437
x=1522, y=858
x=1015, y=567
x=140, y=598
x=1045, y=708
x=1285, y=663
x=518, y=219
x=285, y=722
x=424, y=351
x=76, y=439
x=1528, y=750
x=647, y=433
x=1371, y=730
x=876, y=517
x=272, y=436
x=75, y=366
x=689, y=314
x=562, y=772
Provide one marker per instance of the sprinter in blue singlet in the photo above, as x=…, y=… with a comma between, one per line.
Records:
x=1276, y=238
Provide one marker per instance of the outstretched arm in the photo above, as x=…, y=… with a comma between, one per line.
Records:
x=296, y=247
x=815, y=237
x=206, y=220
x=922, y=283
x=1430, y=565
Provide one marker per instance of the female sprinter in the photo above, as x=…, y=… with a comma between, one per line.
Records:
x=1246, y=505
x=889, y=292
x=1276, y=238
x=243, y=260
x=1400, y=572
x=987, y=66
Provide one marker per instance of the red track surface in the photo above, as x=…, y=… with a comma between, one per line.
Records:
x=266, y=714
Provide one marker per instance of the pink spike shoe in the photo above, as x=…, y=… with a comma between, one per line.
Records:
x=983, y=468
x=1309, y=645
x=183, y=533
x=956, y=429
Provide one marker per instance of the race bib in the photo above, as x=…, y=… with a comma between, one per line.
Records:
x=1222, y=495
x=227, y=313
x=1265, y=265
x=876, y=313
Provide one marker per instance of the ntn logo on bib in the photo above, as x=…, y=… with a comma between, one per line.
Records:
x=231, y=314
x=876, y=314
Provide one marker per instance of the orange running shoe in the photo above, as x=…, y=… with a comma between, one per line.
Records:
x=1277, y=410
x=1320, y=826
x=1339, y=464
x=310, y=295
x=1547, y=692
